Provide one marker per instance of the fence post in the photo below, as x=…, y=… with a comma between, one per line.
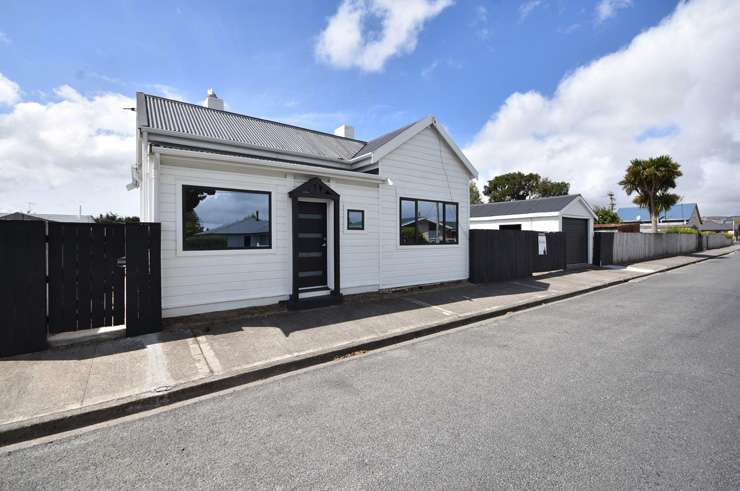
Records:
x=22, y=287
x=143, y=280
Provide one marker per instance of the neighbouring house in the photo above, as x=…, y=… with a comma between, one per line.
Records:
x=719, y=225
x=570, y=214
x=255, y=212
x=48, y=217
x=617, y=227
x=683, y=214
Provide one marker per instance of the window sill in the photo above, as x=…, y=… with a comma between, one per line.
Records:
x=424, y=247
x=225, y=252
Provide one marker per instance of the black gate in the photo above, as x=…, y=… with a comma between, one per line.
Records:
x=576, y=237
x=501, y=255
x=86, y=285
x=59, y=277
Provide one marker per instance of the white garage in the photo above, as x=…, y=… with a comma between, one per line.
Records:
x=570, y=214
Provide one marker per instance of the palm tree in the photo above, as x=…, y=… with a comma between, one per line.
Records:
x=651, y=180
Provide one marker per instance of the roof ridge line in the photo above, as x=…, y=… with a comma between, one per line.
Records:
x=257, y=118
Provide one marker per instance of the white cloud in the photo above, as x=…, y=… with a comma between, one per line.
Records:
x=4, y=38
x=671, y=90
x=347, y=42
x=480, y=23
x=528, y=7
x=168, y=91
x=71, y=151
x=608, y=8
x=429, y=70
x=9, y=91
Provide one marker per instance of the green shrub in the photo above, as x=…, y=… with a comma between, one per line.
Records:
x=681, y=230
x=729, y=235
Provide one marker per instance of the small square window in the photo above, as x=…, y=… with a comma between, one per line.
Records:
x=355, y=220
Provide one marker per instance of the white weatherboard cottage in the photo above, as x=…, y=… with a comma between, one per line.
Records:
x=254, y=212
x=570, y=214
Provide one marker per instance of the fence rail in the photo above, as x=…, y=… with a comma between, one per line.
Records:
x=500, y=255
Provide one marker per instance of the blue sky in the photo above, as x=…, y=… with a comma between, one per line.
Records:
x=259, y=56
x=470, y=63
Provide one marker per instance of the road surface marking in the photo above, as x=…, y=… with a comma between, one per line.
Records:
x=424, y=304
x=200, y=360
x=209, y=355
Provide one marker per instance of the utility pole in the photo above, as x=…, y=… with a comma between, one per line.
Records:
x=612, y=201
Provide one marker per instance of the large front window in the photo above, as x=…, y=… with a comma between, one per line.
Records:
x=221, y=219
x=424, y=222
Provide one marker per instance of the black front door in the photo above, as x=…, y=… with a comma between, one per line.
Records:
x=311, y=244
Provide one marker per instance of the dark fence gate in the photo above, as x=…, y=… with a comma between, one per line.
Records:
x=500, y=255
x=58, y=277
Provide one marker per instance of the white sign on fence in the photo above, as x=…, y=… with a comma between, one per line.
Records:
x=542, y=244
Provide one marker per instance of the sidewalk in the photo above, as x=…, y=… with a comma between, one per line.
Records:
x=57, y=389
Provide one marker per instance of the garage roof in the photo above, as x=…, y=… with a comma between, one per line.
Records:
x=523, y=207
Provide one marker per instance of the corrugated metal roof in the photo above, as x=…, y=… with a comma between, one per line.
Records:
x=49, y=217
x=190, y=119
x=378, y=142
x=249, y=225
x=522, y=207
x=680, y=212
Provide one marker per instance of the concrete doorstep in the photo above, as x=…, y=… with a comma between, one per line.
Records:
x=79, y=385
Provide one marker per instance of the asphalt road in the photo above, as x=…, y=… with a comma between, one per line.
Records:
x=637, y=386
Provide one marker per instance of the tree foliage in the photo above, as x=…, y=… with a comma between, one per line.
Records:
x=606, y=215
x=475, y=198
x=651, y=181
x=547, y=188
x=515, y=186
x=111, y=217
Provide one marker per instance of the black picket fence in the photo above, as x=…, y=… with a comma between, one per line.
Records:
x=501, y=255
x=59, y=277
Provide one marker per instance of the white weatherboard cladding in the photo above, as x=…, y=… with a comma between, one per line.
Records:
x=206, y=281
x=577, y=209
x=539, y=224
x=425, y=168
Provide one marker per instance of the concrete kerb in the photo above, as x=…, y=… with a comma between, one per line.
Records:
x=73, y=419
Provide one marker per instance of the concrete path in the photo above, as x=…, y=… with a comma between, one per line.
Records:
x=69, y=381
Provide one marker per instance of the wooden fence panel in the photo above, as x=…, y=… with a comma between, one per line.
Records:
x=555, y=253
x=501, y=255
x=58, y=277
x=115, y=248
x=85, y=283
x=97, y=277
x=143, y=292
x=22, y=287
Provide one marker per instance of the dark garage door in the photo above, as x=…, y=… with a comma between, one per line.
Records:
x=576, y=240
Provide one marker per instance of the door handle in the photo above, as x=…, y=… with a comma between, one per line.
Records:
x=324, y=244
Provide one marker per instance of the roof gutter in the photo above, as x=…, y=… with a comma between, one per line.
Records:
x=250, y=162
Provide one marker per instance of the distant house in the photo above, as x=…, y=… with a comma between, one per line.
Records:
x=570, y=214
x=248, y=233
x=719, y=224
x=684, y=214
x=47, y=217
